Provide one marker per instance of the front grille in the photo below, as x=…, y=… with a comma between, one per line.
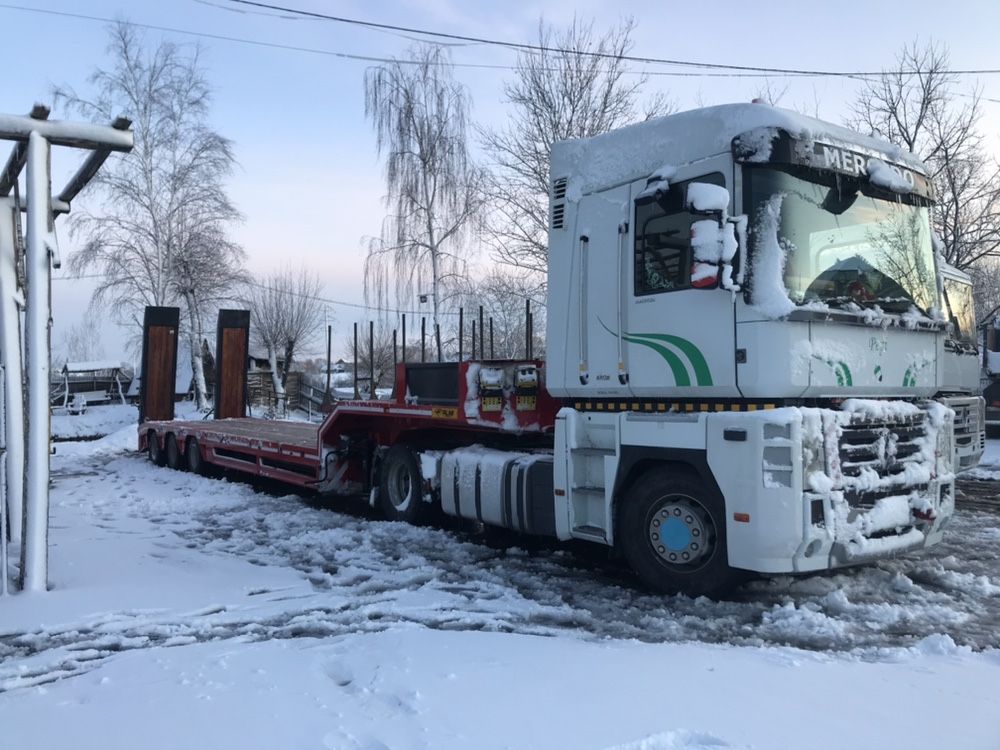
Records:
x=883, y=447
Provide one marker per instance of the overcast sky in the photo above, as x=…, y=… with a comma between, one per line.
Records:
x=309, y=181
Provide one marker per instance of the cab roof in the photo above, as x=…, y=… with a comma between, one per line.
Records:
x=638, y=151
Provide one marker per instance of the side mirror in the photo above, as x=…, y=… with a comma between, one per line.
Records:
x=707, y=199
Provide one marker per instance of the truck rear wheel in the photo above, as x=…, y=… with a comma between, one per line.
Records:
x=174, y=458
x=401, y=486
x=673, y=534
x=153, y=449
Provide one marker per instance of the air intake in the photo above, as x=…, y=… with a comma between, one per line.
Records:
x=558, y=203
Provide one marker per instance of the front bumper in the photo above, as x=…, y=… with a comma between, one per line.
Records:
x=816, y=489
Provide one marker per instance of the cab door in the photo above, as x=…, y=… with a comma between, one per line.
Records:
x=679, y=333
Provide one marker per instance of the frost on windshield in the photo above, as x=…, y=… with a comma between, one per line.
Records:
x=768, y=292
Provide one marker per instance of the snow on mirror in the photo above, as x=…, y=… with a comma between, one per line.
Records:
x=713, y=240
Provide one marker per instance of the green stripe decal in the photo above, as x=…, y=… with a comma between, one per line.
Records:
x=659, y=342
x=844, y=374
x=701, y=372
x=680, y=372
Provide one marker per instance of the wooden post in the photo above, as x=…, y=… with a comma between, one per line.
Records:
x=461, y=331
x=473, y=338
x=395, y=351
x=423, y=339
x=403, y=337
x=492, y=355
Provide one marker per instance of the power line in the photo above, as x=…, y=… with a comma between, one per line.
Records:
x=341, y=55
x=324, y=300
x=585, y=53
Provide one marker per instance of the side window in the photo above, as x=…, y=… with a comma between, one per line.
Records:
x=663, y=239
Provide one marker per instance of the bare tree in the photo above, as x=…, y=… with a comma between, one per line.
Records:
x=159, y=236
x=502, y=292
x=419, y=114
x=916, y=106
x=770, y=93
x=82, y=342
x=986, y=289
x=286, y=314
x=576, y=87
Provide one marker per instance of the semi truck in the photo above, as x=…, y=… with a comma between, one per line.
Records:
x=745, y=340
x=962, y=388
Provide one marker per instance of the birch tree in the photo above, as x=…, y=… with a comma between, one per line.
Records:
x=915, y=105
x=576, y=87
x=157, y=232
x=419, y=114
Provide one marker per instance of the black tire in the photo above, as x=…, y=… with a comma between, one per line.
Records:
x=400, y=492
x=664, y=503
x=153, y=449
x=192, y=453
x=175, y=459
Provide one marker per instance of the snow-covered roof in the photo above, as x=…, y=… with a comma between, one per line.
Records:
x=92, y=366
x=637, y=151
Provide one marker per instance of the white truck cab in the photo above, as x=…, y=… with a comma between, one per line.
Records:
x=745, y=326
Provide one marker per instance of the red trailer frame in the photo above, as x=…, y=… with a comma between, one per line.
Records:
x=434, y=406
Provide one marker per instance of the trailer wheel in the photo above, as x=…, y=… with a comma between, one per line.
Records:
x=192, y=452
x=174, y=458
x=400, y=484
x=153, y=449
x=673, y=534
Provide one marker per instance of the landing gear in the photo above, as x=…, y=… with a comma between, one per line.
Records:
x=401, y=486
x=673, y=534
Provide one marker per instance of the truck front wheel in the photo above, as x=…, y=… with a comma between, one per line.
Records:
x=673, y=534
x=401, y=486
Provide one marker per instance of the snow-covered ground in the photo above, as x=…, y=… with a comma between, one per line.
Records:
x=192, y=612
x=989, y=464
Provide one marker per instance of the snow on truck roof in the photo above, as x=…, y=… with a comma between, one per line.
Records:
x=638, y=151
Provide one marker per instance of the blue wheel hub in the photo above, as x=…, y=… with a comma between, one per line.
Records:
x=681, y=531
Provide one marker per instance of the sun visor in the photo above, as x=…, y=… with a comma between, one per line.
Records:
x=892, y=169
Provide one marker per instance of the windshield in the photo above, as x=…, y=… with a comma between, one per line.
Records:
x=849, y=244
x=959, y=297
